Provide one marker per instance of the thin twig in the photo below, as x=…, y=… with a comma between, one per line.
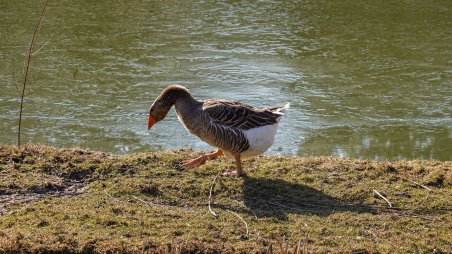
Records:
x=244, y=222
x=154, y=204
x=255, y=216
x=241, y=203
x=423, y=186
x=374, y=235
x=28, y=61
x=37, y=51
x=150, y=203
x=110, y=196
x=210, y=195
x=385, y=199
x=142, y=201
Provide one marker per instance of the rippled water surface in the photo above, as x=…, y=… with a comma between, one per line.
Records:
x=365, y=79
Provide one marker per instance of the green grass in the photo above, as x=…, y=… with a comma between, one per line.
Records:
x=74, y=200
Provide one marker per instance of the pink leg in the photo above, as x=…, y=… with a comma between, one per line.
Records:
x=201, y=159
x=238, y=171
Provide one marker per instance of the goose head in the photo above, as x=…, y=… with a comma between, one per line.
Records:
x=163, y=103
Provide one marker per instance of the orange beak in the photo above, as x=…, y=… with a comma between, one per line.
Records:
x=151, y=121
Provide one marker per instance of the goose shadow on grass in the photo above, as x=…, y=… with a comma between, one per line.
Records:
x=276, y=198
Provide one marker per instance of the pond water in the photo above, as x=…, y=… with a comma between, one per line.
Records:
x=365, y=79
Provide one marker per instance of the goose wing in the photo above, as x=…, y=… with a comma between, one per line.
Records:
x=239, y=115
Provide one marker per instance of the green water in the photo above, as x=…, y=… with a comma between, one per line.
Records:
x=365, y=79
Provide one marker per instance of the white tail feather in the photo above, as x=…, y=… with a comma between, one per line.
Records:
x=282, y=109
x=287, y=106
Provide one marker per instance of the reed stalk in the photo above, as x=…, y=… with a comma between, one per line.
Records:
x=27, y=68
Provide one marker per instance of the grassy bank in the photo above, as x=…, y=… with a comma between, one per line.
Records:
x=74, y=200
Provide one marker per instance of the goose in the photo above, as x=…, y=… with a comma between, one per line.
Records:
x=236, y=129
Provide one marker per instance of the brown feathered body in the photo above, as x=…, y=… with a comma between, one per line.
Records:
x=231, y=126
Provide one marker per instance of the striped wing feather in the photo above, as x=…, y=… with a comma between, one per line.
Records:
x=239, y=115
